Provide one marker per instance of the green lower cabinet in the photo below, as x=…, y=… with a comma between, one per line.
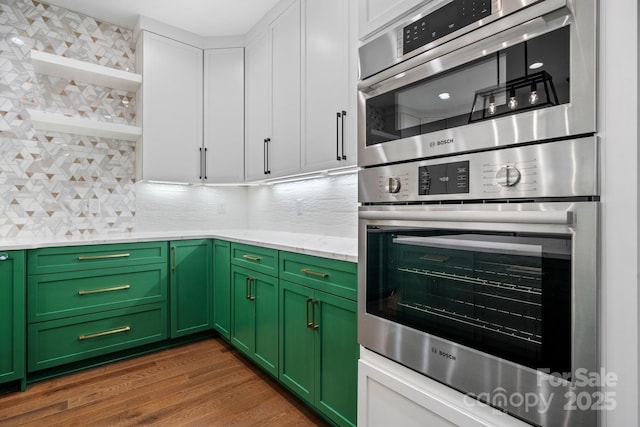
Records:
x=62, y=341
x=12, y=316
x=254, y=316
x=319, y=350
x=191, y=287
x=222, y=287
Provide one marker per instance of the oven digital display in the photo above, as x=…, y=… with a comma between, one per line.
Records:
x=443, y=21
x=445, y=178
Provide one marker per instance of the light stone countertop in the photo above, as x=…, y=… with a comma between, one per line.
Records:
x=339, y=248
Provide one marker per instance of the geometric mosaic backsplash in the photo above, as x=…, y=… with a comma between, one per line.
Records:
x=54, y=183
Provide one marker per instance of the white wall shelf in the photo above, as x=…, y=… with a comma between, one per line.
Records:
x=73, y=69
x=60, y=123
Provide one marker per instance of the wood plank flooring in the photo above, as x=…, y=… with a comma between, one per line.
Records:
x=206, y=383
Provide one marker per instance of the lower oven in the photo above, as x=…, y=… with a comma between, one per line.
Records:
x=481, y=272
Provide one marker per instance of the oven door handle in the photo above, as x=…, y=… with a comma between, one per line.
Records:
x=542, y=217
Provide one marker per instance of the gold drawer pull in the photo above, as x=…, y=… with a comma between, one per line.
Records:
x=314, y=273
x=251, y=258
x=102, y=334
x=97, y=291
x=434, y=258
x=87, y=258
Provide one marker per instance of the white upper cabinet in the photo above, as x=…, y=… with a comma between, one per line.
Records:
x=223, y=115
x=273, y=99
x=375, y=14
x=171, y=110
x=329, y=87
x=284, y=144
x=258, y=108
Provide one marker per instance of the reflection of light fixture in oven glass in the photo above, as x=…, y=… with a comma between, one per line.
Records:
x=444, y=95
x=535, y=65
x=533, y=96
x=492, y=105
x=513, y=102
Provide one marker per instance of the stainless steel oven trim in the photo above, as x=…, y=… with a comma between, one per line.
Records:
x=474, y=372
x=576, y=118
x=387, y=44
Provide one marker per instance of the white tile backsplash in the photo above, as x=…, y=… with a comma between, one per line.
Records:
x=326, y=206
x=163, y=207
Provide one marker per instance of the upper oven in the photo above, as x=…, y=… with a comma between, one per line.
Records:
x=468, y=76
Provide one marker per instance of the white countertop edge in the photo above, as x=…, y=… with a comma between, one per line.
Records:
x=338, y=248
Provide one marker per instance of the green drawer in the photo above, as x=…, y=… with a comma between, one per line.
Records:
x=68, y=340
x=90, y=257
x=54, y=296
x=263, y=260
x=328, y=275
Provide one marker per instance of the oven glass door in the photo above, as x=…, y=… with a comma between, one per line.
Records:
x=529, y=75
x=506, y=294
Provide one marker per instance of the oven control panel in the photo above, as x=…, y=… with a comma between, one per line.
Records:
x=444, y=178
x=557, y=169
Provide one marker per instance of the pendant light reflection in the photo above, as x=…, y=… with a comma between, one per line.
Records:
x=533, y=96
x=492, y=105
x=513, y=102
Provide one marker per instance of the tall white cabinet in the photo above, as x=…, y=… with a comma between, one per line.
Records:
x=192, y=103
x=223, y=115
x=273, y=99
x=329, y=87
x=171, y=114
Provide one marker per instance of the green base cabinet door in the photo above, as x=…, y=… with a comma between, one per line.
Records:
x=222, y=287
x=191, y=287
x=319, y=350
x=337, y=354
x=254, y=317
x=12, y=316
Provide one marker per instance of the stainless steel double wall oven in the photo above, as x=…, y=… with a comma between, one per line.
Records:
x=479, y=195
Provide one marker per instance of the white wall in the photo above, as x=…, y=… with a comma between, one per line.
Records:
x=328, y=206
x=618, y=126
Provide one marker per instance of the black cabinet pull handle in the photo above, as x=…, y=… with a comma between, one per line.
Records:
x=264, y=156
x=200, y=177
x=268, y=169
x=344, y=113
x=205, y=163
x=338, y=136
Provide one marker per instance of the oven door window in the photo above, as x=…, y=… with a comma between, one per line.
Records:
x=530, y=75
x=508, y=295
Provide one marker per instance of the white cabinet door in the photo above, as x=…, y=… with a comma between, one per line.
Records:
x=330, y=92
x=272, y=146
x=258, y=107
x=224, y=115
x=375, y=14
x=171, y=110
x=284, y=145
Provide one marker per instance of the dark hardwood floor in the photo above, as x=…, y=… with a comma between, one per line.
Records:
x=206, y=383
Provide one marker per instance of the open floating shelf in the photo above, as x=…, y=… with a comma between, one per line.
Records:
x=61, y=123
x=73, y=69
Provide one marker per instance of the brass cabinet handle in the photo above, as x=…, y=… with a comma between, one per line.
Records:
x=314, y=273
x=309, y=324
x=434, y=258
x=175, y=256
x=251, y=296
x=251, y=258
x=97, y=291
x=87, y=258
x=102, y=334
x=315, y=326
